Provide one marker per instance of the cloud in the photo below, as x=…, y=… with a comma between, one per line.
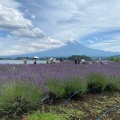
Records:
x=22, y=37
x=53, y=41
x=77, y=18
x=107, y=45
x=34, y=33
x=33, y=16
x=10, y=4
x=27, y=25
x=11, y=19
x=28, y=13
x=28, y=45
x=90, y=41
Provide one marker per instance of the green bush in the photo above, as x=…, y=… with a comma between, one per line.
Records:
x=18, y=98
x=75, y=85
x=45, y=116
x=56, y=88
x=59, y=89
x=97, y=82
x=114, y=83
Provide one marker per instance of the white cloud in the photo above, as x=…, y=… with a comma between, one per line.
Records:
x=10, y=4
x=28, y=45
x=30, y=14
x=34, y=33
x=61, y=20
x=76, y=18
x=45, y=44
x=52, y=41
x=90, y=41
x=107, y=45
x=11, y=19
x=33, y=16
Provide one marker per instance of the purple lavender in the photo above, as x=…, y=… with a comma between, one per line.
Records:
x=41, y=72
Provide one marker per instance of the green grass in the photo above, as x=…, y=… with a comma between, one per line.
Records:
x=44, y=116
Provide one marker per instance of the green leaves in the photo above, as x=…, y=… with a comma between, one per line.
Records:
x=97, y=82
x=45, y=116
x=19, y=97
x=57, y=88
x=74, y=85
x=64, y=89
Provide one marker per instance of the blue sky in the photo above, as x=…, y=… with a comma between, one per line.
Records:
x=28, y=26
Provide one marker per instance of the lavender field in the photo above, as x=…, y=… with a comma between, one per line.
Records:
x=22, y=87
x=41, y=72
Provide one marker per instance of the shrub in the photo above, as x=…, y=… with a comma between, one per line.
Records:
x=75, y=85
x=114, y=83
x=56, y=88
x=97, y=82
x=18, y=98
x=59, y=89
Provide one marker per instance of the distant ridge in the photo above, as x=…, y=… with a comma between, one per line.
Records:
x=115, y=56
x=70, y=48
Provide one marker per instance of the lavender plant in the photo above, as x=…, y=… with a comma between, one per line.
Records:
x=62, y=71
x=97, y=82
x=56, y=88
x=60, y=89
x=75, y=85
x=114, y=83
x=19, y=97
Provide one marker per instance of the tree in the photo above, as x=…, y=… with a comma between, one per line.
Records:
x=79, y=57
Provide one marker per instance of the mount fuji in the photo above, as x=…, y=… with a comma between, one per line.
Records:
x=71, y=48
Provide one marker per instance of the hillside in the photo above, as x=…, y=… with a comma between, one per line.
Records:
x=70, y=48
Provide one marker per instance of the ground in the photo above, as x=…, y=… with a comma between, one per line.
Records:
x=88, y=106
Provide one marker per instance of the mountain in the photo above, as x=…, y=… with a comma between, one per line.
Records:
x=115, y=56
x=71, y=48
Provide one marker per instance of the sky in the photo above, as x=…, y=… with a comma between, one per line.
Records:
x=28, y=26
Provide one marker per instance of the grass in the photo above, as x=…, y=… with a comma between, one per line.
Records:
x=45, y=116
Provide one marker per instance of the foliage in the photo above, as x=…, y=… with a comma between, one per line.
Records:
x=59, y=89
x=114, y=83
x=97, y=82
x=56, y=87
x=114, y=59
x=90, y=108
x=44, y=116
x=75, y=85
x=19, y=97
x=79, y=57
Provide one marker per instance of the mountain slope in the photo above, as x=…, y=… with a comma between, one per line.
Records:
x=71, y=48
